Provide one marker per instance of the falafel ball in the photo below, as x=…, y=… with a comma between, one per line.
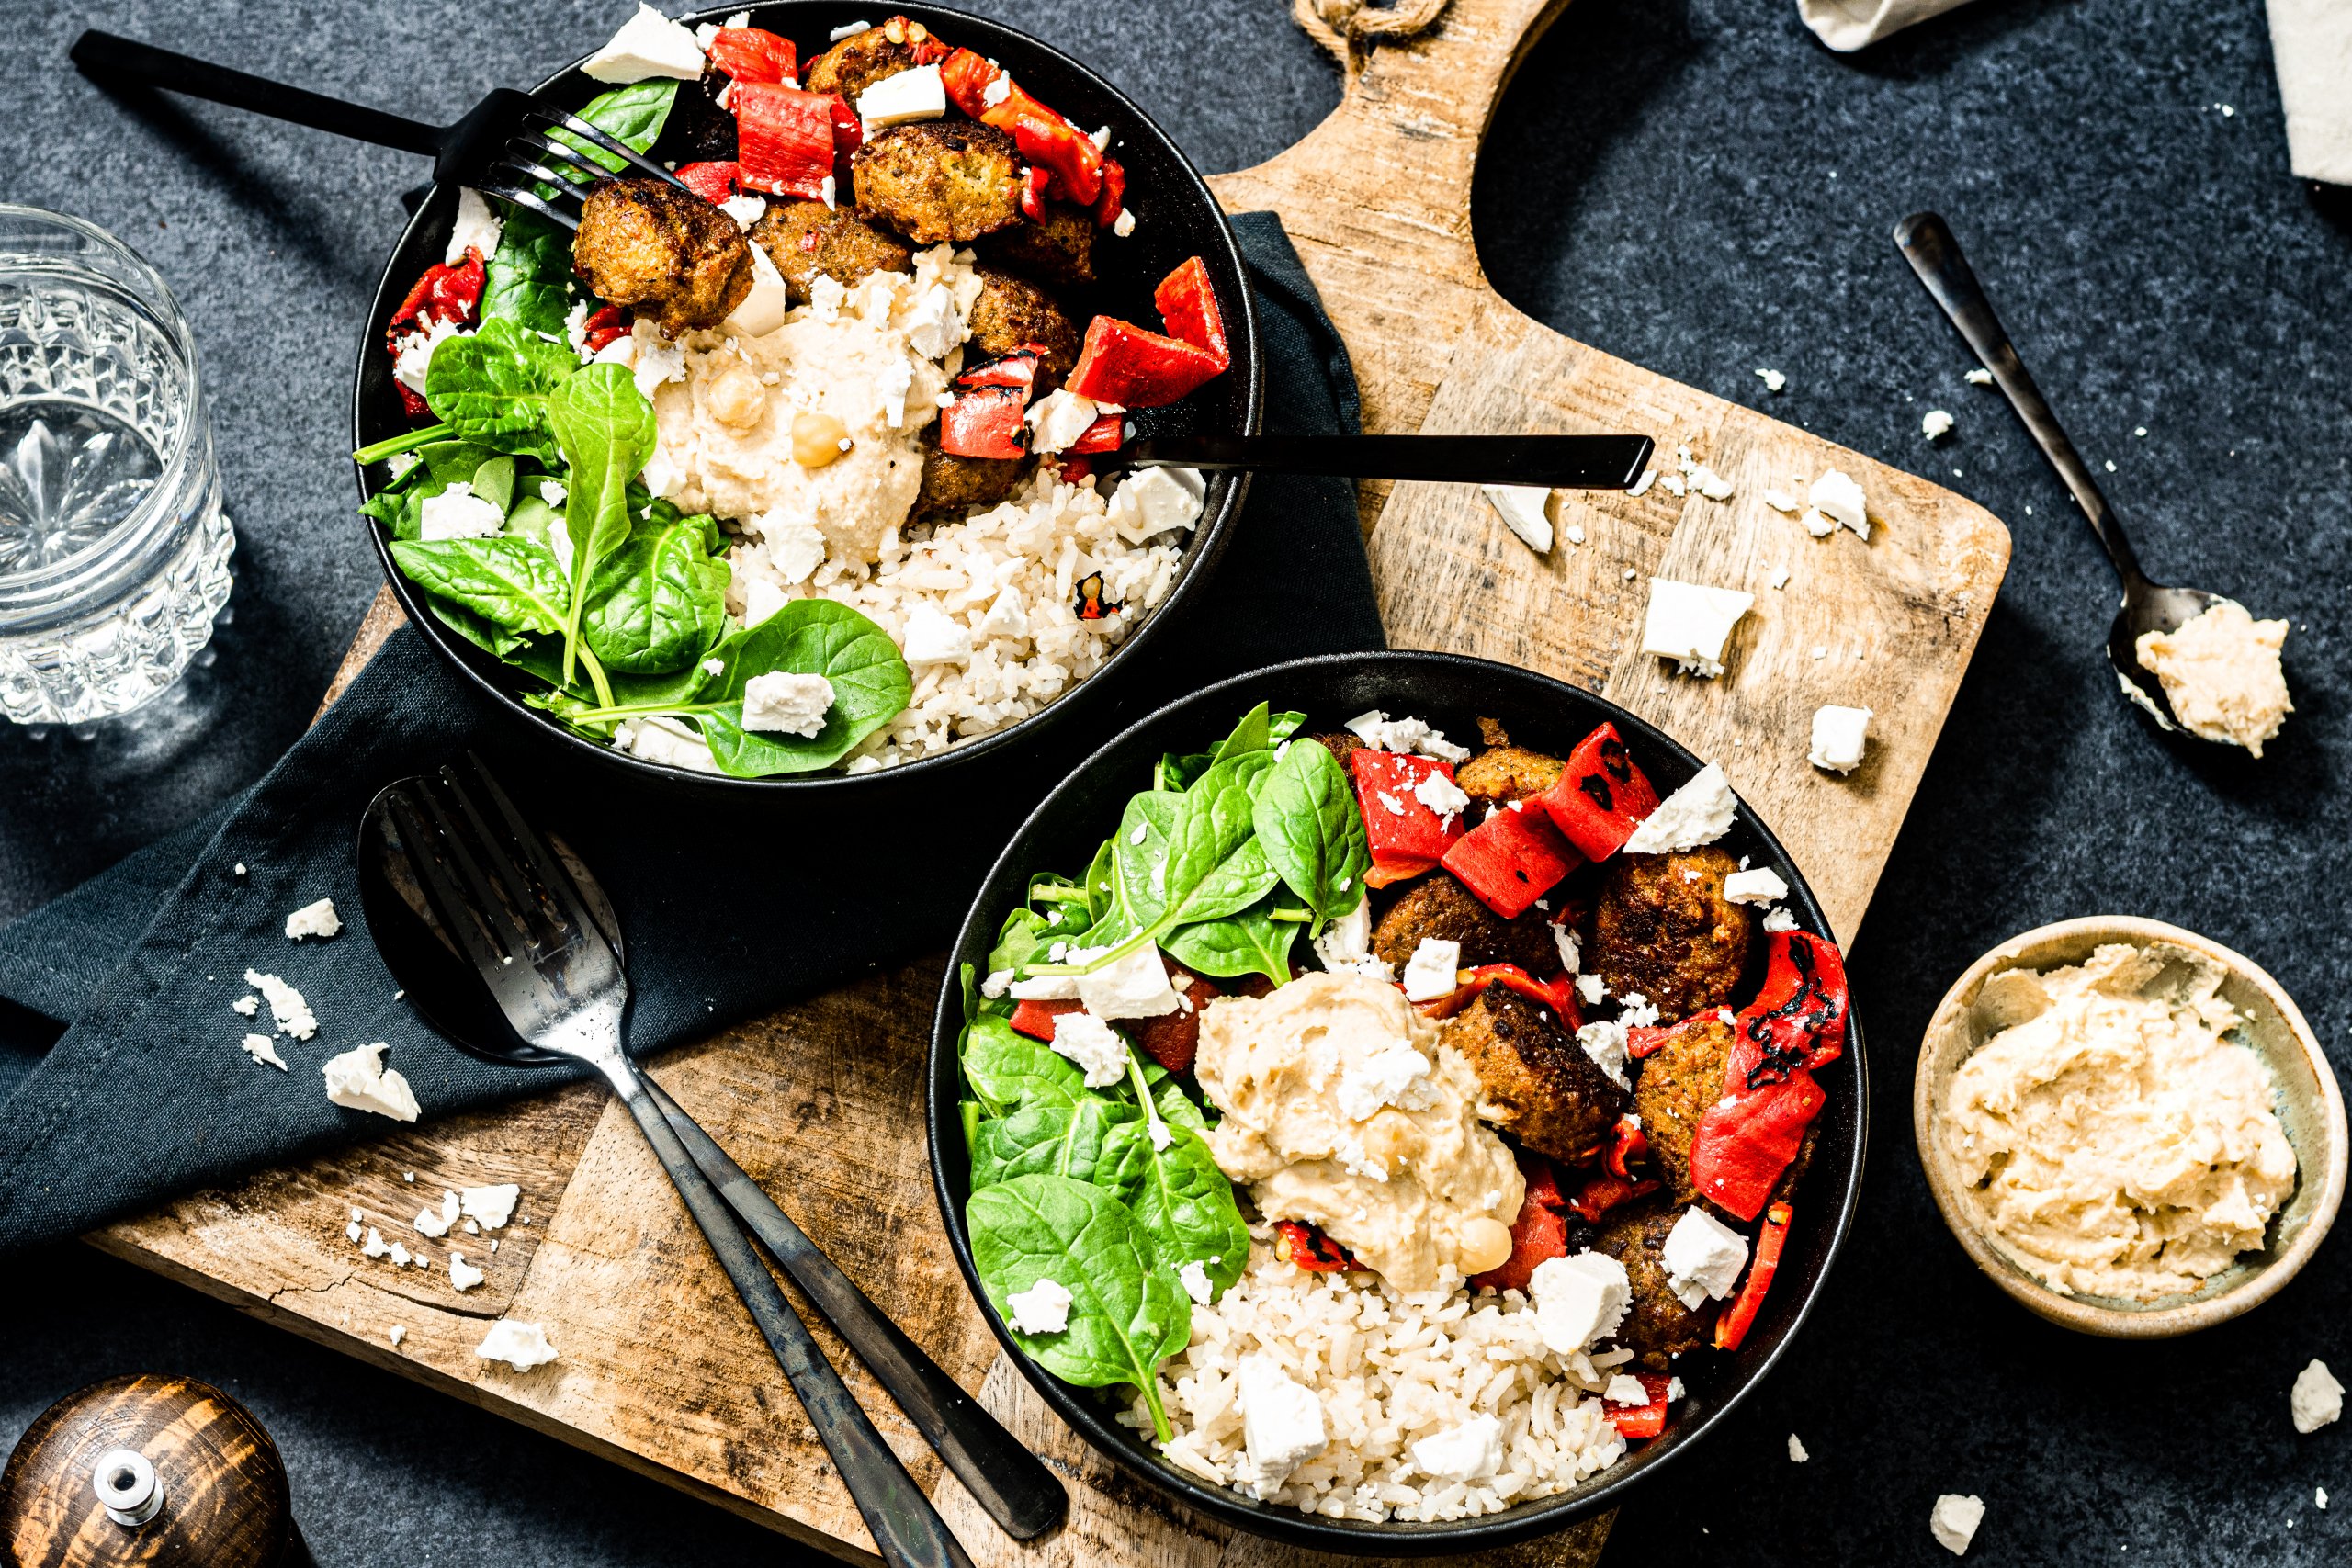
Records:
x=1535, y=1082
x=1508, y=772
x=647, y=243
x=1679, y=1082
x=1060, y=250
x=953, y=485
x=1011, y=311
x=864, y=58
x=1663, y=928
x=1657, y=1326
x=939, y=181
x=1441, y=906
x=806, y=238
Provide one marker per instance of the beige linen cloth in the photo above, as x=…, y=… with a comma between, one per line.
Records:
x=2311, y=40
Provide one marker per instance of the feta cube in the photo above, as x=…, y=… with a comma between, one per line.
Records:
x=933, y=637
x=1133, y=986
x=781, y=703
x=763, y=309
x=1690, y=624
x=1058, y=418
x=493, y=1205
x=521, y=1346
x=358, y=1081
x=1472, y=1451
x=901, y=98
x=1098, y=1049
x=1007, y=618
x=1281, y=1423
x=1954, y=1522
x=1699, y=813
x=1838, y=498
x=2317, y=1399
x=263, y=1050
x=1762, y=885
x=1434, y=970
x=1397, y=1074
x=1702, y=1258
x=1153, y=501
x=1625, y=1390
x=477, y=228
x=1043, y=1308
x=317, y=920
x=1580, y=1300
x=1839, y=736
x=1522, y=508
x=797, y=547
x=649, y=45
x=457, y=513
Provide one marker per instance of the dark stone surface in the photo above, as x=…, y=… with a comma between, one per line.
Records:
x=1696, y=186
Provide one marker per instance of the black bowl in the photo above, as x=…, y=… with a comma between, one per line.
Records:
x=1176, y=217
x=1450, y=693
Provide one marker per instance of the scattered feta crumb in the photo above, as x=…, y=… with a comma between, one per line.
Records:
x=1980, y=376
x=521, y=1346
x=1778, y=919
x=1702, y=1258
x=1796, y=1450
x=1839, y=736
x=1779, y=580
x=781, y=703
x=1043, y=1308
x=2319, y=1496
x=1774, y=380
x=1431, y=972
x=248, y=1006
x=1781, y=500
x=1522, y=508
x=317, y=920
x=358, y=1081
x=399, y=1332
x=2317, y=1399
x=1405, y=733
x=261, y=1049
x=493, y=1206
x=1762, y=886
x=648, y=45
x=1625, y=1390
x=1640, y=486
x=1935, y=425
x=241, y=868
x=286, y=1008
x=463, y=1276
x=1838, y=502
x=1954, y=1521
x=1195, y=1281
x=1099, y=1051
x=848, y=30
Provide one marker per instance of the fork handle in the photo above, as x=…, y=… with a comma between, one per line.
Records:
x=907, y=1530
x=106, y=57
x=1005, y=1478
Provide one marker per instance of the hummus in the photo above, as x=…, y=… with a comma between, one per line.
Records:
x=2117, y=1142
x=2220, y=674
x=1342, y=1110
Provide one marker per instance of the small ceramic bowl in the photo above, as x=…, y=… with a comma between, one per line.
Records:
x=2309, y=1105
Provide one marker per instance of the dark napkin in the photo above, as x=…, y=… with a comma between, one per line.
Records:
x=730, y=909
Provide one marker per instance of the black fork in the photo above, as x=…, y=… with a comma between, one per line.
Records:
x=504, y=146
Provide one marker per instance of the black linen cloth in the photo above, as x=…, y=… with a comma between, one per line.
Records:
x=730, y=909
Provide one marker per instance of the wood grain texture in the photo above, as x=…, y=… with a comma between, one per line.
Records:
x=659, y=1370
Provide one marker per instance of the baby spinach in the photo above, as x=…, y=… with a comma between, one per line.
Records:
x=493, y=481
x=632, y=115
x=808, y=636
x=1009, y=1071
x=528, y=279
x=1306, y=823
x=495, y=388
x=1181, y=1197
x=660, y=601
x=1251, y=941
x=512, y=584
x=1128, y=1313
x=1069, y=1140
x=605, y=428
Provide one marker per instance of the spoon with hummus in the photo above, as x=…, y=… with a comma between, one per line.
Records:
x=2195, y=662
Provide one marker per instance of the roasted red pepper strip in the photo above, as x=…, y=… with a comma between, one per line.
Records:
x=1113, y=198
x=1036, y=1018
x=1637, y=1422
x=1511, y=859
x=1048, y=141
x=1627, y=1143
x=1187, y=304
x=1602, y=794
x=1733, y=1326
x=1120, y=363
x=1384, y=873
x=1034, y=182
x=1798, y=1019
x=712, y=182
x=1310, y=1250
x=984, y=421
x=1398, y=827
x=1538, y=1234
x=1558, y=993
x=1746, y=1140
x=755, y=54
x=606, y=327
x=1018, y=368
x=1105, y=434
x=784, y=140
x=849, y=131
x=965, y=76
x=1602, y=1192
x=446, y=292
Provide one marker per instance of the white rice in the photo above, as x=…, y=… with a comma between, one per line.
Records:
x=1390, y=1369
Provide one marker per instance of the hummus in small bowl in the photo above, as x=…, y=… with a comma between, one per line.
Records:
x=2129, y=1128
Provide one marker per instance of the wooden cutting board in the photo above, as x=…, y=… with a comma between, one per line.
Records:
x=660, y=1369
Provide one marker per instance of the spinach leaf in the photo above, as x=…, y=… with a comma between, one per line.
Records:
x=807, y=637
x=495, y=388
x=513, y=583
x=632, y=115
x=1214, y=865
x=660, y=601
x=605, y=428
x=1249, y=942
x=1250, y=735
x=1009, y=1072
x=1280, y=726
x=1175, y=773
x=528, y=281
x=1307, y=824
x=1018, y=941
x=1100, y=891
x=1061, y=1140
x=1127, y=1313
x=1139, y=854
x=1183, y=1201
x=493, y=481
x=539, y=656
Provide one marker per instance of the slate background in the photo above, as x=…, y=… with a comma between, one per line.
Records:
x=1694, y=185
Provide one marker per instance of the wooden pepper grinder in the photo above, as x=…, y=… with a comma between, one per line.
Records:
x=148, y=1469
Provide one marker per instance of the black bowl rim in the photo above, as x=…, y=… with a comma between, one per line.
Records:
x=1522, y=1521
x=1215, y=532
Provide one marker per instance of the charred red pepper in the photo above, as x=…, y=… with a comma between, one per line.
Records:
x=448, y=292
x=1511, y=859
x=1602, y=794
x=1746, y=1140
x=1798, y=1019
x=1105, y=434
x=1309, y=1248
x=1602, y=1192
x=1051, y=142
x=1018, y=368
x=606, y=327
x=1733, y=1326
x=1172, y=1039
x=1648, y=1039
x=1120, y=363
x=984, y=421
x=849, y=131
x=1538, y=1234
x=1627, y=1143
x=1036, y=1018
x=1558, y=993
x=1637, y=1422
x=1400, y=830
x=1187, y=303
x=1113, y=198
x=1068, y=469
x=783, y=138
x=965, y=76
x=1384, y=874
x=1033, y=181
x=712, y=182
x=755, y=54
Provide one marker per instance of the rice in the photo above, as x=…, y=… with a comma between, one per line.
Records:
x=1390, y=1369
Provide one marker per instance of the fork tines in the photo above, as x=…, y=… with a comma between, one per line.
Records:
x=536, y=155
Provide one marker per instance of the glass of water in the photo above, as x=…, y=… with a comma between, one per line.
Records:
x=114, y=550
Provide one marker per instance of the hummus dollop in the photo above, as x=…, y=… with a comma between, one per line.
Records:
x=1342, y=1110
x=2221, y=674
x=2117, y=1143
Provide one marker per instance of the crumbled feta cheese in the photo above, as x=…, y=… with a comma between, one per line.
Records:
x=1580, y=1300
x=1407, y=735
x=240, y=866
x=1058, y=418
x=649, y=44
x=433, y=1222
x=477, y=228
x=414, y=353
x=746, y=209
x=1779, y=580
x=1043, y=1308
x=317, y=920
x=262, y=1049
x=358, y=1081
x=1604, y=1042
x=902, y=97
x=655, y=359
x=248, y=1006
x=1472, y=1451
x=1837, y=499
x=1433, y=970
x=1637, y=1011
x=764, y=305
x=1124, y=223
x=1780, y=919
x=1441, y=795
x=1762, y=886
x=457, y=513
x=936, y=328
x=1699, y=813
x=2319, y=1496
x=1281, y=1423
x=1690, y=624
x=848, y=30
x=1978, y=378
x=1007, y=618
x=1675, y=484
x=1522, y=508
x=1936, y=424
x=2317, y=1399
x=1194, y=1278
x=375, y=1246
x=1098, y=1049
x=1346, y=945
x=828, y=192
x=1839, y=736
x=933, y=637
x=1796, y=1450
x=1954, y=1522
x=1565, y=941
x=1705, y=481
x=493, y=1206
x=1702, y=1258
x=1397, y=1074
x=1134, y=987
x=1591, y=990
x=399, y=1332
x=463, y=1276
x=1153, y=501
x=781, y=703
x=521, y=1346
x=292, y=1013
x=670, y=741
x=1774, y=380
x=1625, y=1390
x=397, y=1254
x=797, y=548
x=1640, y=486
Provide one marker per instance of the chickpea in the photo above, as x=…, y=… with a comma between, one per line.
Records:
x=735, y=397
x=818, y=439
